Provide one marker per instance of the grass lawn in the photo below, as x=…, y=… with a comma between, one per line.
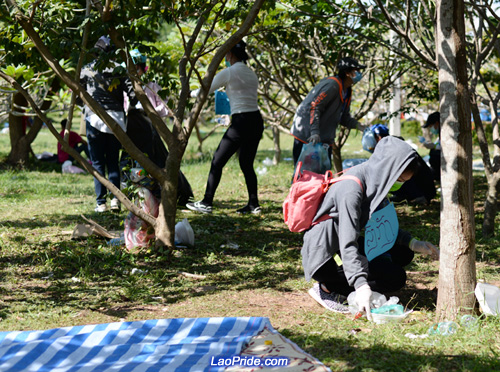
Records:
x=244, y=266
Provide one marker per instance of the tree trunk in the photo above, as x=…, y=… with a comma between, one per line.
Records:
x=337, y=159
x=165, y=223
x=277, y=147
x=457, y=273
x=19, y=148
x=490, y=206
x=491, y=171
x=21, y=138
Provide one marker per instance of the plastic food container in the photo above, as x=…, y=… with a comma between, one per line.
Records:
x=389, y=318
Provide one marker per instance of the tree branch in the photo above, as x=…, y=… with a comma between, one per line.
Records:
x=71, y=151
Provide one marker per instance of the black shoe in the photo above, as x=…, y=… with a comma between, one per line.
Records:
x=421, y=200
x=396, y=199
x=249, y=209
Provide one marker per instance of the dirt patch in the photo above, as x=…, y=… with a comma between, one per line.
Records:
x=282, y=308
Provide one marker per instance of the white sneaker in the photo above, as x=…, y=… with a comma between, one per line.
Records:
x=331, y=301
x=115, y=205
x=101, y=208
x=199, y=206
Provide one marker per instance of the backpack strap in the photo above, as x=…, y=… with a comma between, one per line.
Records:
x=341, y=87
x=335, y=180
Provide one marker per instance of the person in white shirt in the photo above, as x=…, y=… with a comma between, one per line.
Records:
x=244, y=133
x=104, y=147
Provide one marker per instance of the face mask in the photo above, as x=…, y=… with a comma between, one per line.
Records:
x=228, y=64
x=357, y=77
x=397, y=185
x=434, y=131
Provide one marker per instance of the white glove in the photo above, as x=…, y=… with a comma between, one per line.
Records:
x=314, y=139
x=426, y=248
x=363, y=299
x=194, y=93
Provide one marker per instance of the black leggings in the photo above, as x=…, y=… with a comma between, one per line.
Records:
x=386, y=272
x=244, y=135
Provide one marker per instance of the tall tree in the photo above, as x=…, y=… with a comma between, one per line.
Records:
x=457, y=272
x=484, y=50
x=18, y=61
x=413, y=22
x=303, y=47
x=125, y=23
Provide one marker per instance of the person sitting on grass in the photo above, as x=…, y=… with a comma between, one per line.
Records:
x=375, y=262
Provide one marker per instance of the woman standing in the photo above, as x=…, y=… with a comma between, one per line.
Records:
x=104, y=147
x=244, y=133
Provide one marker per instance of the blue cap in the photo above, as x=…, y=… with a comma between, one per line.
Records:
x=380, y=130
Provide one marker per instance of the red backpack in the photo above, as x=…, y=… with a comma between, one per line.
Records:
x=306, y=194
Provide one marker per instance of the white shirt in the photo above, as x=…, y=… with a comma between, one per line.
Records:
x=101, y=126
x=241, y=87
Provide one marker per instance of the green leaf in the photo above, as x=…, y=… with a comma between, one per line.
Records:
x=28, y=74
x=11, y=71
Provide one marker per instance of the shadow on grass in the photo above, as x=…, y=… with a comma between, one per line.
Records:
x=267, y=256
x=345, y=354
x=34, y=165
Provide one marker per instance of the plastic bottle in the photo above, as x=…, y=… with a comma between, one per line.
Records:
x=116, y=242
x=443, y=328
x=468, y=321
x=137, y=174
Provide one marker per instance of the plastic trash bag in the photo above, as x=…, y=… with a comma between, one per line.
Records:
x=184, y=233
x=348, y=163
x=368, y=141
x=68, y=167
x=222, y=106
x=137, y=232
x=488, y=297
x=314, y=158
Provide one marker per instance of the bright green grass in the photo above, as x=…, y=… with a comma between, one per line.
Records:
x=48, y=280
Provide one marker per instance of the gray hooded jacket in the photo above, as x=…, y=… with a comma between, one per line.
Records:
x=322, y=110
x=351, y=207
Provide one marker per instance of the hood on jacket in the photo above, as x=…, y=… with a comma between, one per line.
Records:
x=389, y=160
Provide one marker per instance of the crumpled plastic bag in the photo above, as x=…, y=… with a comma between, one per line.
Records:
x=184, y=233
x=488, y=297
x=137, y=232
x=382, y=310
x=68, y=167
x=315, y=158
x=377, y=300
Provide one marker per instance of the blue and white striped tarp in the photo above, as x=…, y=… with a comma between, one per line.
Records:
x=140, y=346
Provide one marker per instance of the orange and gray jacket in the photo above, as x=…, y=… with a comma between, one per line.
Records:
x=322, y=110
